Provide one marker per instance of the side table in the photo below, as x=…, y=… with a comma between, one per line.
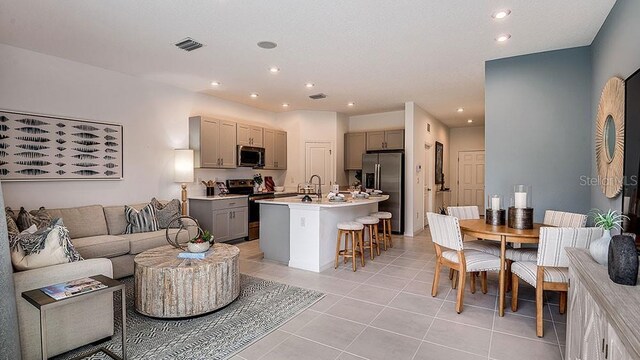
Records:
x=44, y=302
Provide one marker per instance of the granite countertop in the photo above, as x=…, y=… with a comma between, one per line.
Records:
x=296, y=200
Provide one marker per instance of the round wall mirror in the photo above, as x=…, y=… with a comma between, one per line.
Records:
x=610, y=138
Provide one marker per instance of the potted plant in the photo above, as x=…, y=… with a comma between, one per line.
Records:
x=201, y=242
x=257, y=179
x=611, y=220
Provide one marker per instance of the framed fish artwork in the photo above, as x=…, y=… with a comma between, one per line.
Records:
x=44, y=147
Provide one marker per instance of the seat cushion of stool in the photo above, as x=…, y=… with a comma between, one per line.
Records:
x=382, y=215
x=368, y=220
x=350, y=225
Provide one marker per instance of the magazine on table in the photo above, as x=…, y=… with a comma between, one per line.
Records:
x=73, y=288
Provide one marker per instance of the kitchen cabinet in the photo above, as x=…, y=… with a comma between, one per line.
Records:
x=355, y=145
x=275, y=149
x=227, y=219
x=249, y=135
x=385, y=140
x=213, y=142
x=601, y=315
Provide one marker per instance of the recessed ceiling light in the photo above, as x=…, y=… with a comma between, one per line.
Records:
x=470, y=121
x=503, y=37
x=285, y=105
x=501, y=14
x=274, y=69
x=215, y=83
x=460, y=110
x=267, y=44
x=254, y=95
x=309, y=85
x=351, y=103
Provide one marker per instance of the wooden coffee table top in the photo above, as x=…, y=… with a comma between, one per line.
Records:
x=167, y=257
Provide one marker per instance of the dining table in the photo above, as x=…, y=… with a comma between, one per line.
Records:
x=478, y=228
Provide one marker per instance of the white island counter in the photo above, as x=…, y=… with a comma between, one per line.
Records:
x=303, y=235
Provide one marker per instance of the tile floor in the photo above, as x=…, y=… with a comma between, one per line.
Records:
x=385, y=311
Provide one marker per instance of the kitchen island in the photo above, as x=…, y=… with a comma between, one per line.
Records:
x=303, y=234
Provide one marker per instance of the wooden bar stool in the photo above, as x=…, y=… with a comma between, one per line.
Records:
x=385, y=219
x=370, y=242
x=353, y=230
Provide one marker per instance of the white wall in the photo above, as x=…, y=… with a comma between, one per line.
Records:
x=378, y=121
x=416, y=136
x=462, y=139
x=155, y=119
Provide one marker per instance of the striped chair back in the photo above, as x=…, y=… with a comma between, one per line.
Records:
x=564, y=219
x=464, y=212
x=553, y=240
x=445, y=231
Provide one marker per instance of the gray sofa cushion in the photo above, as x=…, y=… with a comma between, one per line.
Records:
x=116, y=221
x=101, y=246
x=82, y=221
x=149, y=240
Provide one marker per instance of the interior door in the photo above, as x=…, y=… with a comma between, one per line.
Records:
x=227, y=145
x=319, y=161
x=471, y=179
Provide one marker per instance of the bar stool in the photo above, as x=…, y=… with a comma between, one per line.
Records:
x=370, y=242
x=353, y=230
x=385, y=218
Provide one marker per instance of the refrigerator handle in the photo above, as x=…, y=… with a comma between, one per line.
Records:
x=378, y=174
x=375, y=176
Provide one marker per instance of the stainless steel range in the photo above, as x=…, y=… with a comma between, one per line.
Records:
x=245, y=187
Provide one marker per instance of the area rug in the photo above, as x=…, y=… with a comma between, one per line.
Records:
x=260, y=308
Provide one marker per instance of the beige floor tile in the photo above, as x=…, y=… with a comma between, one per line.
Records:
x=526, y=308
x=377, y=344
x=264, y=345
x=299, y=321
x=424, y=289
x=332, y=331
x=430, y=351
x=326, y=302
x=373, y=294
x=403, y=322
x=509, y=347
x=478, y=299
x=461, y=337
x=293, y=347
x=388, y=282
x=355, y=276
x=417, y=264
x=555, y=314
x=335, y=286
x=355, y=310
x=514, y=325
x=347, y=356
x=561, y=331
x=416, y=303
x=400, y=272
x=470, y=315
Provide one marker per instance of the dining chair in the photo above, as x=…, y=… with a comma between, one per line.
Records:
x=469, y=213
x=551, y=218
x=450, y=252
x=550, y=270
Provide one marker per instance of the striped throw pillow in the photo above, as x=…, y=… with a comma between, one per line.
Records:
x=140, y=221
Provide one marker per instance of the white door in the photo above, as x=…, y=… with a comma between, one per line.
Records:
x=471, y=179
x=319, y=161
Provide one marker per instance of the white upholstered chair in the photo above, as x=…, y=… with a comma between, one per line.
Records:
x=471, y=212
x=550, y=270
x=450, y=252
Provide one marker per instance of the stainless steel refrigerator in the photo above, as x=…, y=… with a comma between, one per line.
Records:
x=385, y=171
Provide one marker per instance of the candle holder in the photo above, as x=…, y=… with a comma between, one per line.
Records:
x=494, y=213
x=521, y=210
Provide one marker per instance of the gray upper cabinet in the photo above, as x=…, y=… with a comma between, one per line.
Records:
x=249, y=135
x=385, y=140
x=210, y=140
x=375, y=140
x=355, y=144
x=275, y=148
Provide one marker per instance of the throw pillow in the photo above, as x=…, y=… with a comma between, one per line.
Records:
x=12, y=228
x=41, y=217
x=140, y=221
x=35, y=248
x=24, y=220
x=167, y=212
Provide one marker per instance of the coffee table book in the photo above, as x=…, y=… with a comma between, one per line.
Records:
x=72, y=288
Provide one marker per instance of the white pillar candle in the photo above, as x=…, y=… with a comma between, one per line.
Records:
x=520, y=200
x=495, y=203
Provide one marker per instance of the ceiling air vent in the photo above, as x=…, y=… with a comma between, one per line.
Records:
x=318, y=96
x=188, y=44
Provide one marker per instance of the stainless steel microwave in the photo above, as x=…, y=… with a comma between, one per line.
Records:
x=250, y=156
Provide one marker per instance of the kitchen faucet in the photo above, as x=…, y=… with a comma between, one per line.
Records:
x=319, y=185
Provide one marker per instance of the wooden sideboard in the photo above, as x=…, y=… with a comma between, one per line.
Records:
x=603, y=321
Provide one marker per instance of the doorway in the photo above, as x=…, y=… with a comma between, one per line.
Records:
x=471, y=179
x=319, y=161
x=429, y=179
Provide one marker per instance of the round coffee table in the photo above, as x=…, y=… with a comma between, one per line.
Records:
x=168, y=287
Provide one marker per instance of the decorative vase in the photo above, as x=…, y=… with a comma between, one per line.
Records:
x=599, y=249
x=198, y=247
x=623, y=260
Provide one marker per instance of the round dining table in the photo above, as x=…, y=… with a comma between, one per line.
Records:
x=478, y=228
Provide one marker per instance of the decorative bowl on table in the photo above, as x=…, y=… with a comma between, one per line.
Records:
x=195, y=247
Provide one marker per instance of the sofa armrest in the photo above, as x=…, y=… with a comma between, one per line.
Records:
x=70, y=326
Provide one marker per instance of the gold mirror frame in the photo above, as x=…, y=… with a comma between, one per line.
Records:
x=610, y=169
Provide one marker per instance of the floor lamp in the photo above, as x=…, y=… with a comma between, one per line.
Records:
x=183, y=172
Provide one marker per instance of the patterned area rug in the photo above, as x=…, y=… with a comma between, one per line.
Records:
x=260, y=308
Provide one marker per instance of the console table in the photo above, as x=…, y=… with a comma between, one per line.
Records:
x=603, y=321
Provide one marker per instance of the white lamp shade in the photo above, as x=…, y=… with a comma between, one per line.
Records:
x=183, y=165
